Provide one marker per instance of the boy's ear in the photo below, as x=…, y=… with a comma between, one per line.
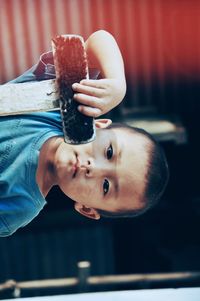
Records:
x=88, y=212
x=102, y=123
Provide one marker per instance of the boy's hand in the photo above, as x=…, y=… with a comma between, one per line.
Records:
x=97, y=97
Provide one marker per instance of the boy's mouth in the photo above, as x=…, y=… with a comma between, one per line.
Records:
x=75, y=167
x=75, y=171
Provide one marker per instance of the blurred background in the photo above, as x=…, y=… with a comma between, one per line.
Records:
x=160, y=44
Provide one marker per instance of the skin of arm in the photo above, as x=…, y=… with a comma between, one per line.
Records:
x=99, y=96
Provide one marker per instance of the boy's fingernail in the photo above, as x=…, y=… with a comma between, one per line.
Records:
x=80, y=108
x=74, y=86
x=82, y=81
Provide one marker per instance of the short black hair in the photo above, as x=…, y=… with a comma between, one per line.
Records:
x=157, y=175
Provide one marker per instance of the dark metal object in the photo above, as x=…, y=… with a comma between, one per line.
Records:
x=83, y=275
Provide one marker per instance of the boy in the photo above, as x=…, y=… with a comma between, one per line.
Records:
x=123, y=172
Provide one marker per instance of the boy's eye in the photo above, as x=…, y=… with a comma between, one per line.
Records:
x=109, y=152
x=105, y=187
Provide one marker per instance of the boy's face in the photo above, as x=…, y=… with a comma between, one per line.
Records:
x=107, y=174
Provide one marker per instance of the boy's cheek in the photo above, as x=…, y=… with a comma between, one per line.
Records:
x=82, y=190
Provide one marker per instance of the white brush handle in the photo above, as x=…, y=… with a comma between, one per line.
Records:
x=28, y=97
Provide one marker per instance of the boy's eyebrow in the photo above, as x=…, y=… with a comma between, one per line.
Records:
x=116, y=188
x=117, y=160
x=116, y=182
x=119, y=154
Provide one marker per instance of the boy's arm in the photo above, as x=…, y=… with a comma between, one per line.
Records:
x=97, y=97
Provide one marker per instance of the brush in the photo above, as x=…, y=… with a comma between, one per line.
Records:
x=71, y=66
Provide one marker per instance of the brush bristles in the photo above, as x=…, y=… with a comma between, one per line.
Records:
x=71, y=66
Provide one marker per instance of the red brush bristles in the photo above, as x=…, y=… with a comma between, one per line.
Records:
x=70, y=59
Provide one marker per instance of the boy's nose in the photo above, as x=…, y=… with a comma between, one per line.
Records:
x=91, y=168
x=86, y=167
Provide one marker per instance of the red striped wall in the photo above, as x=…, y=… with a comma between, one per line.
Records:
x=158, y=38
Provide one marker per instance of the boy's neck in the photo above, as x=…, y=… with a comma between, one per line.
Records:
x=45, y=175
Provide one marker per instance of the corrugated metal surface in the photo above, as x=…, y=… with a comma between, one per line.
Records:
x=54, y=254
x=159, y=39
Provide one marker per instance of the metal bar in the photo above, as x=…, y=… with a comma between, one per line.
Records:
x=125, y=279
x=102, y=280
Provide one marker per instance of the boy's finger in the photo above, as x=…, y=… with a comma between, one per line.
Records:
x=92, y=112
x=87, y=100
x=96, y=83
x=87, y=90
